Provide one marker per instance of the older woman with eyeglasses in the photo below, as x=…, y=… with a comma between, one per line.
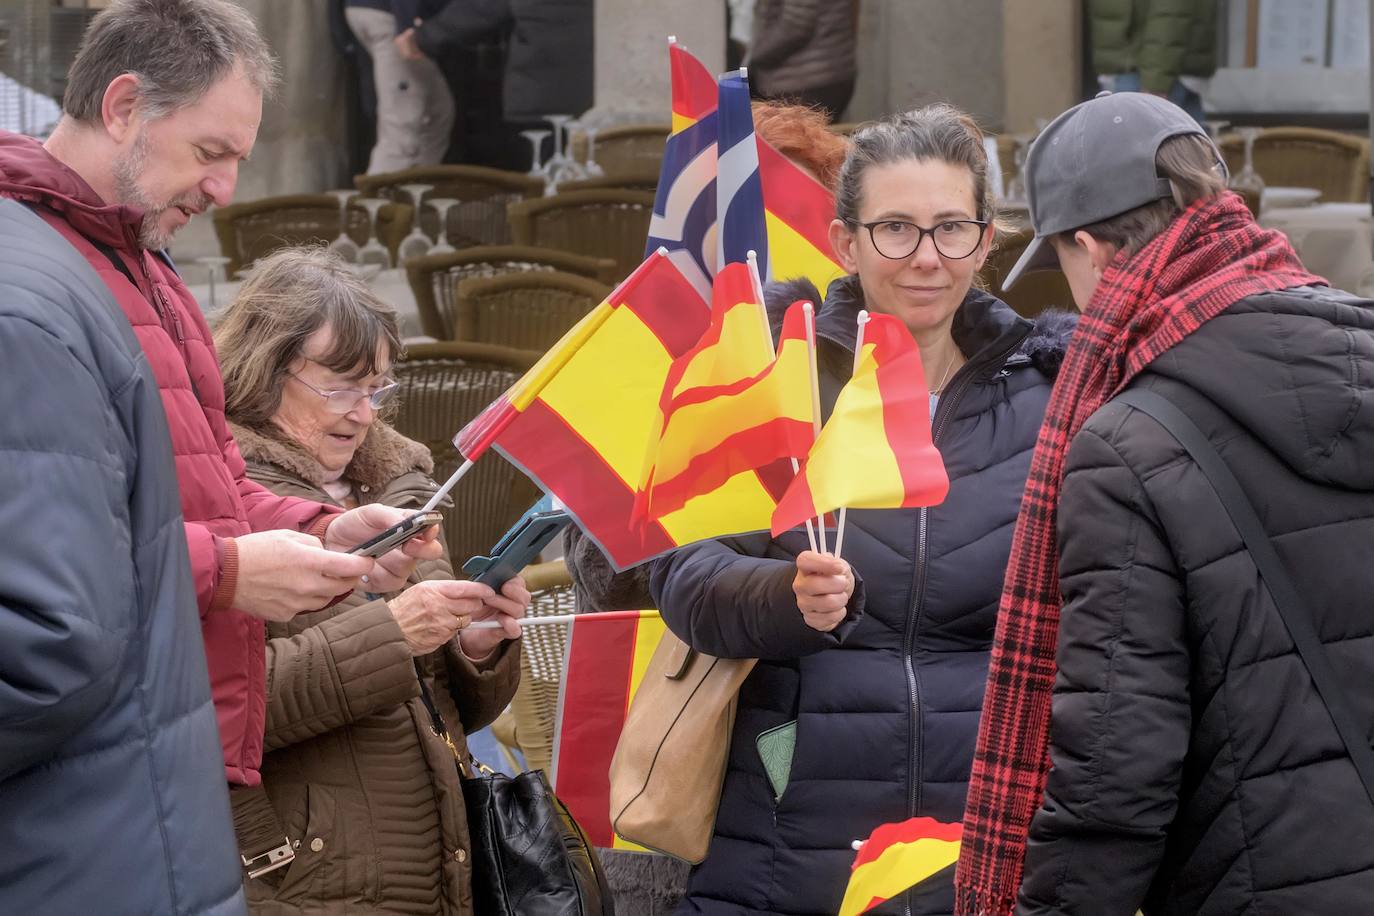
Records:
x=362, y=786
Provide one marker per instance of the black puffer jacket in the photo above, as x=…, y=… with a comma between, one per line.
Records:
x=887, y=704
x=1195, y=769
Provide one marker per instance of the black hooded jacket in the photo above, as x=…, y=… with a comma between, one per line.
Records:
x=1196, y=771
x=887, y=704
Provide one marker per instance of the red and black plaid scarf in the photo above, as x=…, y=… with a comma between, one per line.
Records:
x=1209, y=257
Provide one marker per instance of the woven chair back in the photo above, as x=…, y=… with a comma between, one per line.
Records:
x=601, y=224
x=434, y=278
x=443, y=386
x=528, y=311
x=1034, y=292
x=534, y=708
x=631, y=150
x=256, y=228
x=625, y=182
x=483, y=194
x=1336, y=164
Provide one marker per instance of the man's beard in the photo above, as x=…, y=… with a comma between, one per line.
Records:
x=127, y=170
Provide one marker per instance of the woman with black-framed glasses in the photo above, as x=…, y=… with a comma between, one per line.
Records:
x=362, y=787
x=873, y=665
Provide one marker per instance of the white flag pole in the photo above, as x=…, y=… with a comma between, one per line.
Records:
x=753, y=260
x=448, y=485
x=858, y=350
x=603, y=617
x=808, y=310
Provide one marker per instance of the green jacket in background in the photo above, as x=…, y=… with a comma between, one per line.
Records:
x=1162, y=39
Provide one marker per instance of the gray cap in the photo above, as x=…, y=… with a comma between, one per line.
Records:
x=1093, y=162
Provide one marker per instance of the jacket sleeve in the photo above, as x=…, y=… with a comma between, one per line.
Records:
x=335, y=673
x=482, y=693
x=1164, y=43
x=461, y=22
x=1121, y=715
x=214, y=559
x=723, y=599
x=781, y=27
x=67, y=595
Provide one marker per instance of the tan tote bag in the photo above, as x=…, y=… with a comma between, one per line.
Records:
x=669, y=764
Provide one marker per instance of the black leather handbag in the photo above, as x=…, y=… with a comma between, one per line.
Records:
x=530, y=857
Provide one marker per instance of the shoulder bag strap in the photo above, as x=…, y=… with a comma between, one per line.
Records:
x=1271, y=569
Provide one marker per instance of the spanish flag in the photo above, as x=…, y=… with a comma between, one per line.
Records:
x=875, y=451
x=897, y=857
x=797, y=211
x=731, y=407
x=606, y=658
x=693, y=87
x=581, y=421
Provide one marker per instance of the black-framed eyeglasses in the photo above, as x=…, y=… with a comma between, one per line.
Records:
x=342, y=400
x=898, y=240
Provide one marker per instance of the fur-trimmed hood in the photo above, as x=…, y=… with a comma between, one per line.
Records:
x=383, y=456
x=981, y=318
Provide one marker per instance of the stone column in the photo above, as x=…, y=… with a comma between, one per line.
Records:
x=632, y=82
x=1042, y=57
x=914, y=52
x=301, y=143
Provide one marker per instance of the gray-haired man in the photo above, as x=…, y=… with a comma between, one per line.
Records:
x=163, y=102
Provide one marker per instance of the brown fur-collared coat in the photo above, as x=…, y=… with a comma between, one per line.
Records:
x=353, y=769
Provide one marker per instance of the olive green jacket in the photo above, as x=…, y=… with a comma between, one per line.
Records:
x=1162, y=39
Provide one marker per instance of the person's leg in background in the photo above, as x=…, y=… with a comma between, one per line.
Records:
x=1179, y=94
x=415, y=109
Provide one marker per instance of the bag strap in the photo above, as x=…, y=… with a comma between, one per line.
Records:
x=1271, y=570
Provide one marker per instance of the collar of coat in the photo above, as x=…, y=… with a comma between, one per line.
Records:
x=983, y=325
x=383, y=455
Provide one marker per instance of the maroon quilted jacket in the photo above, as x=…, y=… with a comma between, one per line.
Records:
x=217, y=500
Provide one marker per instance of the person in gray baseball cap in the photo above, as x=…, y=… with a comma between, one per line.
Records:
x=1151, y=738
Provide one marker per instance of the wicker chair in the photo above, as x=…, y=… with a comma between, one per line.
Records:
x=528, y=725
x=255, y=228
x=483, y=195
x=629, y=181
x=443, y=386
x=601, y=224
x=1337, y=164
x=434, y=278
x=633, y=149
x=1034, y=292
x=528, y=311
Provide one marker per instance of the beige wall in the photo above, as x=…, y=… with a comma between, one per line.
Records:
x=1006, y=61
x=1041, y=59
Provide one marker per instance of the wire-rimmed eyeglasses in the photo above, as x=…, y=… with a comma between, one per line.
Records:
x=341, y=400
x=897, y=239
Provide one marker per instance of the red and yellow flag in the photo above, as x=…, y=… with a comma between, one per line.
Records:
x=731, y=407
x=605, y=663
x=798, y=210
x=897, y=857
x=694, y=88
x=875, y=451
x=580, y=422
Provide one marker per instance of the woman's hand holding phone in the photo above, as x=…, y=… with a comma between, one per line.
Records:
x=507, y=608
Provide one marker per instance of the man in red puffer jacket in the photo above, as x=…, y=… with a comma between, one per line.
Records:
x=162, y=104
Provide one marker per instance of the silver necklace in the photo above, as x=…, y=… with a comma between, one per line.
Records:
x=944, y=378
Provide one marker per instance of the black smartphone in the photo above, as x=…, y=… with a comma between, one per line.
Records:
x=397, y=534
x=518, y=548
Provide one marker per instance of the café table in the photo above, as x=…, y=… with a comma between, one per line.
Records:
x=1334, y=240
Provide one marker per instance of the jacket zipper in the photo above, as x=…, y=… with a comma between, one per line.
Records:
x=915, y=744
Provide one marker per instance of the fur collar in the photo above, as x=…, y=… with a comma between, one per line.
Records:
x=383, y=456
